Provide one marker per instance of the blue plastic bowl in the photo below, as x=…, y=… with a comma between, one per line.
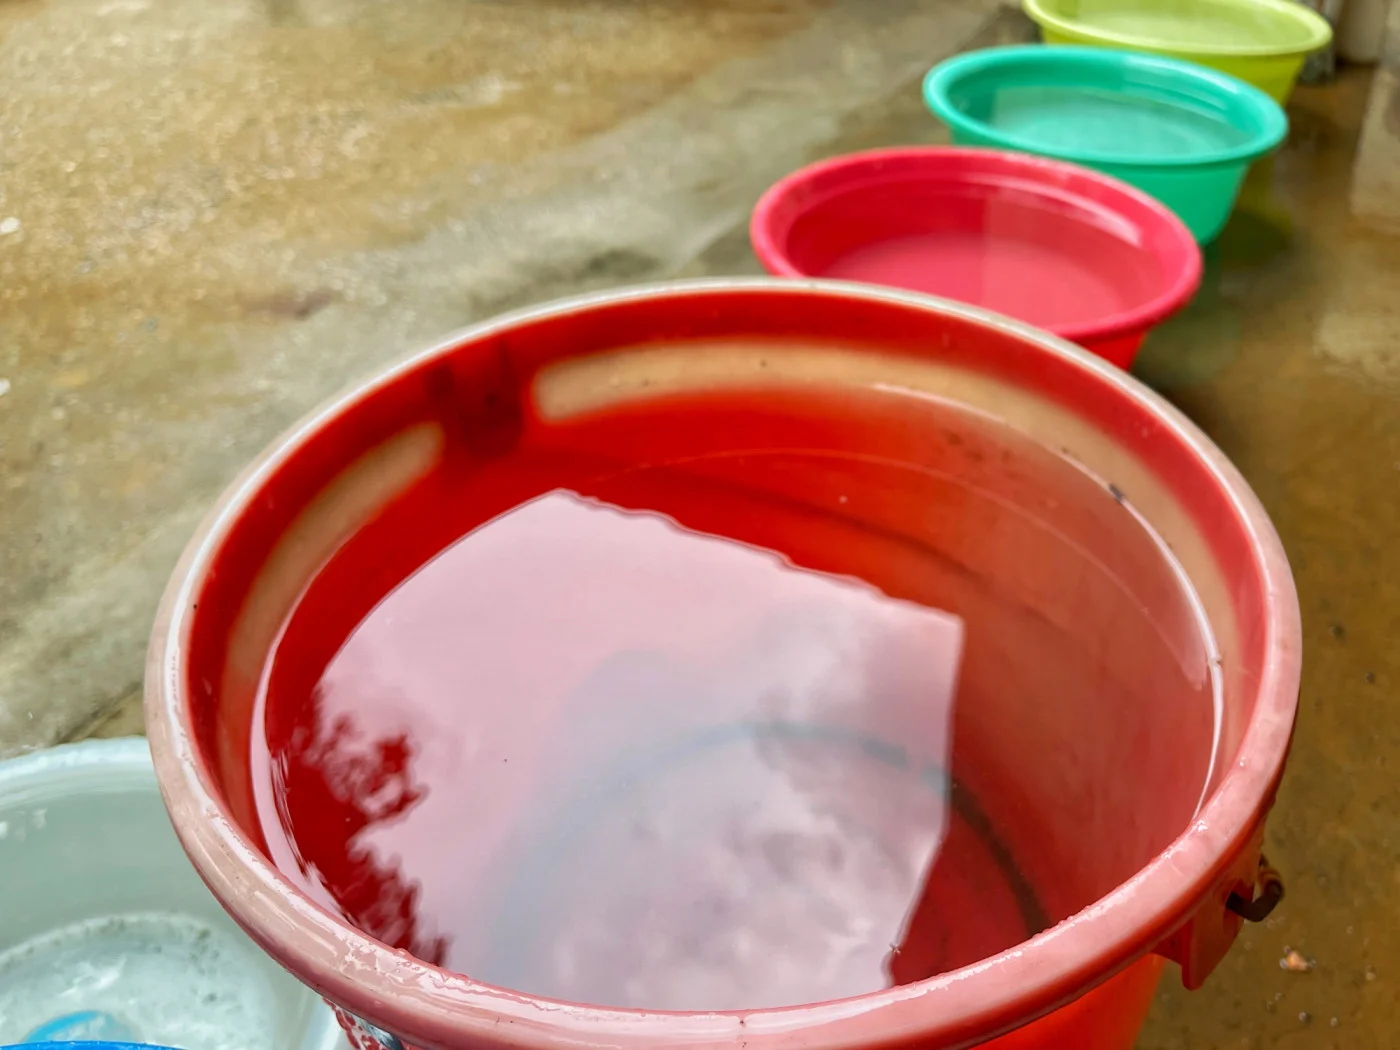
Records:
x=1181, y=132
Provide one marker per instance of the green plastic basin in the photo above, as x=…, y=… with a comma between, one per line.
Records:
x=1183, y=133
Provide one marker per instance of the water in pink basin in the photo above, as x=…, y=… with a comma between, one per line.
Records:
x=1035, y=282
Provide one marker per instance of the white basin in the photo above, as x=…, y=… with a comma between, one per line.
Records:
x=101, y=910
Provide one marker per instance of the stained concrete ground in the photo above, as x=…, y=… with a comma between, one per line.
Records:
x=214, y=215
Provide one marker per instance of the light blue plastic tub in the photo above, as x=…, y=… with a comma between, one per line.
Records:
x=1181, y=132
x=107, y=935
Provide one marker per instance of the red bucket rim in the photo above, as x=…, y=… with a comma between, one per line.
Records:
x=433, y=1007
x=1179, y=254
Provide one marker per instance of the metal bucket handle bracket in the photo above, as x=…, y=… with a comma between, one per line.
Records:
x=1200, y=944
x=1270, y=893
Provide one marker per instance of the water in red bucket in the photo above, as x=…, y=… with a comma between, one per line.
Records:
x=731, y=700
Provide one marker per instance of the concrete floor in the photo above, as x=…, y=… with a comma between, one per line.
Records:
x=213, y=215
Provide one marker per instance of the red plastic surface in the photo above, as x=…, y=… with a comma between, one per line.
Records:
x=1062, y=247
x=1088, y=979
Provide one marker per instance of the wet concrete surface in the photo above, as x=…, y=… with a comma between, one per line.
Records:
x=1290, y=359
x=213, y=216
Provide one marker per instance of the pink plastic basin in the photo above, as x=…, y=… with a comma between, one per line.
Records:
x=1067, y=249
x=1133, y=806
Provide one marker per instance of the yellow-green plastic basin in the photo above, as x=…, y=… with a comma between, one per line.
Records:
x=1263, y=42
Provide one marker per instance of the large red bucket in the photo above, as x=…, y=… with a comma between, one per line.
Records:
x=1124, y=705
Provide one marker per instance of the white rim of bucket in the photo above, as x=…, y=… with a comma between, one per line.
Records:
x=69, y=769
